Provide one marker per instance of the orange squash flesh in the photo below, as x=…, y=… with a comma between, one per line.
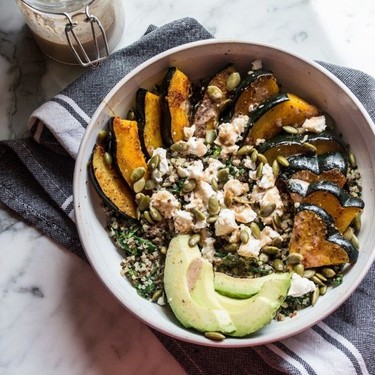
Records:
x=151, y=132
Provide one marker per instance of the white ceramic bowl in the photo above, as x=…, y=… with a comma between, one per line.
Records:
x=199, y=60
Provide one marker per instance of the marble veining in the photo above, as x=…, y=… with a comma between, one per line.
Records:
x=55, y=315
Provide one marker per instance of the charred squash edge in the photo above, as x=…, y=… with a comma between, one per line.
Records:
x=131, y=213
x=167, y=126
x=333, y=234
x=141, y=110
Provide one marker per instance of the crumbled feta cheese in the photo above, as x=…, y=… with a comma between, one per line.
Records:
x=183, y=221
x=211, y=171
x=225, y=223
x=203, y=191
x=193, y=170
x=236, y=187
x=267, y=235
x=268, y=178
x=252, y=247
x=165, y=203
x=208, y=250
x=257, y=65
x=244, y=214
x=226, y=151
x=265, y=197
x=163, y=166
x=300, y=286
x=230, y=132
x=315, y=124
x=196, y=146
x=248, y=163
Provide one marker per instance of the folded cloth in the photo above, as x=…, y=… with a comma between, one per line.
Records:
x=36, y=182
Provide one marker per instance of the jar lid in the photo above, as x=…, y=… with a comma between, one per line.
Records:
x=57, y=6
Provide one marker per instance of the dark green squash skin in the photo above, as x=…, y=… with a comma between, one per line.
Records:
x=165, y=128
x=315, y=164
x=345, y=199
x=333, y=234
x=263, y=108
x=140, y=100
x=247, y=81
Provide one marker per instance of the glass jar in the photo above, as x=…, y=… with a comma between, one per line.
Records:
x=75, y=32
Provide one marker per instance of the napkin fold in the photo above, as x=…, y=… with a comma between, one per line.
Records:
x=36, y=182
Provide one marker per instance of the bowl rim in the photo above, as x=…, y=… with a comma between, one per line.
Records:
x=78, y=185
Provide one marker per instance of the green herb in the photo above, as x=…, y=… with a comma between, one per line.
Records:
x=293, y=304
x=337, y=280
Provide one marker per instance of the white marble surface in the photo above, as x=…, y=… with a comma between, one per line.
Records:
x=55, y=316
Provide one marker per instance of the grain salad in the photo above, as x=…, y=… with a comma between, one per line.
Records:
x=278, y=197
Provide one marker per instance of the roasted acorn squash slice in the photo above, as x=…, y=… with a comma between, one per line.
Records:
x=127, y=151
x=149, y=114
x=287, y=113
x=176, y=92
x=326, y=167
x=209, y=109
x=254, y=89
x=315, y=237
x=109, y=184
x=336, y=201
x=296, y=144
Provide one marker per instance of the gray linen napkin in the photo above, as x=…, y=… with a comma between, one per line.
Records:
x=36, y=182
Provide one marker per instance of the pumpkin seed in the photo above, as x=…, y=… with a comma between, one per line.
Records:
x=328, y=272
x=352, y=160
x=323, y=290
x=214, y=93
x=259, y=170
x=210, y=136
x=213, y=205
x=163, y=249
x=153, y=163
x=188, y=186
x=277, y=220
x=130, y=115
x=150, y=185
x=139, y=185
x=217, y=336
x=254, y=156
x=156, y=295
x=308, y=273
x=108, y=159
x=212, y=219
x=199, y=215
x=138, y=214
x=282, y=160
x=148, y=217
x=178, y=146
x=231, y=248
x=290, y=129
x=263, y=257
x=228, y=198
x=245, y=150
x=270, y=250
x=320, y=276
x=315, y=296
x=354, y=240
x=214, y=184
x=102, y=135
x=144, y=202
x=357, y=223
x=349, y=233
x=309, y=147
x=255, y=230
x=155, y=214
x=278, y=265
x=223, y=174
x=294, y=258
x=262, y=158
x=316, y=280
x=244, y=236
x=194, y=239
x=277, y=242
x=233, y=81
x=137, y=174
x=267, y=209
x=299, y=269
x=275, y=168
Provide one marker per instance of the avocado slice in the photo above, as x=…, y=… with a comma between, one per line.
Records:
x=236, y=287
x=187, y=274
x=249, y=315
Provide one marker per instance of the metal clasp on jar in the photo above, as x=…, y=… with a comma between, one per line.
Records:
x=79, y=50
